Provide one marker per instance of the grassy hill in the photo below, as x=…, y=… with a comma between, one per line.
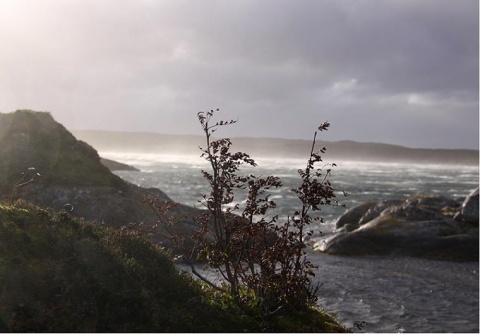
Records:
x=68, y=172
x=62, y=274
x=35, y=139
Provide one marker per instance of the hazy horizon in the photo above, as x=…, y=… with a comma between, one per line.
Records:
x=401, y=72
x=157, y=143
x=259, y=137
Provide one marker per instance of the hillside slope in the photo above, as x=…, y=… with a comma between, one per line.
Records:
x=43, y=163
x=62, y=274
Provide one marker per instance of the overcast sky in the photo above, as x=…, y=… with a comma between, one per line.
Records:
x=402, y=72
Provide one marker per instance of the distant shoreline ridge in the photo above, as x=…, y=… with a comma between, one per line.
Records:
x=146, y=142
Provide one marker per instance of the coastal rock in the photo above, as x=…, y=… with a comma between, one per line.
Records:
x=43, y=163
x=417, y=226
x=411, y=212
x=376, y=210
x=350, y=220
x=117, y=166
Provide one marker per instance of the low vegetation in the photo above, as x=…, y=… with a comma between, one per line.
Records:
x=62, y=274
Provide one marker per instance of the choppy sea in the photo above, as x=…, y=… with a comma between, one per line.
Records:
x=389, y=294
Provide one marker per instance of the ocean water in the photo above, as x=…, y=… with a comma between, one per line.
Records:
x=390, y=294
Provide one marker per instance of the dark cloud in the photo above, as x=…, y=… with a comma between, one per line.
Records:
x=392, y=71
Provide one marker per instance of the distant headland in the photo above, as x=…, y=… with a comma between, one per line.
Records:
x=144, y=142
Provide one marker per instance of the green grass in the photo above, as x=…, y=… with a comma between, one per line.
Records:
x=62, y=274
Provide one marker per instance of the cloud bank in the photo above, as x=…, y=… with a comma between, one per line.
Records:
x=398, y=71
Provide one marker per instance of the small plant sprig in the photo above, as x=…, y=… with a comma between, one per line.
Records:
x=27, y=177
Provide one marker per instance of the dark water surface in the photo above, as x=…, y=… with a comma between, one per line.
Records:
x=400, y=294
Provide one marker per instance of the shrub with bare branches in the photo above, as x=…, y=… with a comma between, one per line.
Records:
x=263, y=263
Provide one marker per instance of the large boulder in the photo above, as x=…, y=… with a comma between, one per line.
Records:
x=377, y=209
x=350, y=220
x=417, y=226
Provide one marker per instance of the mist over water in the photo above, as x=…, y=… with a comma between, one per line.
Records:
x=180, y=177
x=390, y=294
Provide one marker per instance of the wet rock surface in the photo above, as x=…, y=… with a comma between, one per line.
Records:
x=423, y=226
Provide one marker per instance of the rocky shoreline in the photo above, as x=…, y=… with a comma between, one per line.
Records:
x=423, y=226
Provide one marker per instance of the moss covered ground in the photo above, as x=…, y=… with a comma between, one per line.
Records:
x=62, y=274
